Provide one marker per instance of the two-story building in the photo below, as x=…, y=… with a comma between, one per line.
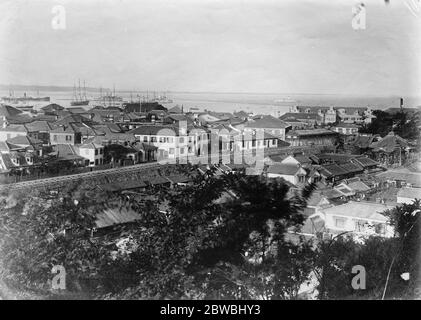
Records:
x=311, y=137
x=66, y=134
x=346, y=128
x=92, y=152
x=268, y=124
x=173, y=142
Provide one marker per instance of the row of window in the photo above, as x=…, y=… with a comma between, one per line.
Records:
x=166, y=139
x=67, y=137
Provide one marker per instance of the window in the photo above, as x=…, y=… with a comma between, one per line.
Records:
x=181, y=150
x=181, y=140
x=339, y=223
x=145, y=138
x=161, y=139
x=101, y=151
x=171, y=151
x=380, y=228
x=96, y=162
x=96, y=152
x=153, y=139
x=55, y=137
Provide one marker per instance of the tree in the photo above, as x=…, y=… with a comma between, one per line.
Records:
x=192, y=241
x=384, y=259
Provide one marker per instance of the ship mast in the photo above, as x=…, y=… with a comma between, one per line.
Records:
x=84, y=90
x=80, y=92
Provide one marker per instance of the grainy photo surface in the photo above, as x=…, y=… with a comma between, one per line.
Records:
x=210, y=150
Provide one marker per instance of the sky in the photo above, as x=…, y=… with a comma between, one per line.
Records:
x=284, y=46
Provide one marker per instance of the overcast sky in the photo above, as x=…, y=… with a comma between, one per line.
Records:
x=226, y=46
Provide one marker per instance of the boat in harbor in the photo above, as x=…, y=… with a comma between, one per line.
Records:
x=25, y=99
x=109, y=99
x=284, y=100
x=79, y=99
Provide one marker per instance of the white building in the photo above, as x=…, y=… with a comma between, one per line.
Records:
x=92, y=152
x=173, y=142
x=408, y=195
x=358, y=218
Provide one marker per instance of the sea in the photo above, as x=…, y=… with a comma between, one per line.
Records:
x=257, y=103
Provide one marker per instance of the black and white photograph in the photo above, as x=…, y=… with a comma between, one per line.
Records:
x=207, y=151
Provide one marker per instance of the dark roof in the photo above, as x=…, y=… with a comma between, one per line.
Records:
x=8, y=111
x=352, y=167
x=180, y=178
x=311, y=132
x=365, y=162
x=300, y=116
x=38, y=125
x=175, y=109
x=363, y=141
x=346, y=125
x=389, y=143
x=282, y=168
x=126, y=185
x=52, y=107
x=331, y=170
x=155, y=129
x=73, y=118
x=156, y=180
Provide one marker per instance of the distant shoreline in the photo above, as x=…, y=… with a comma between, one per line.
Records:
x=19, y=87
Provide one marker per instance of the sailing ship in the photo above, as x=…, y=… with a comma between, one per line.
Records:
x=78, y=98
x=109, y=99
x=161, y=99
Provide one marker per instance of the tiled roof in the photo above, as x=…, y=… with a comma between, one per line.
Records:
x=175, y=109
x=73, y=118
x=358, y=186
x=14, y=128
x=266, y=122
x=311, y=132
x=300, y=116
x=155, y=130
x=281, y=168
x=38, y=125
x=413, y=178
x=412, y=193
x=4, y=147
x=52, y=107
x=8, y=111
x=346, y=125
x=362, y=210
x=352, y=167
x=365, y=161
x=64, y=129
x=389, y=143
x=332, y=170
x=24, y=140
x=66, y=152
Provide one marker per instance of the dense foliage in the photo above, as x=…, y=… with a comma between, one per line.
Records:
x=402, y=123
x=223, y=236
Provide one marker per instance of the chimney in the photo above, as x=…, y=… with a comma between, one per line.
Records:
x=401, y=103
